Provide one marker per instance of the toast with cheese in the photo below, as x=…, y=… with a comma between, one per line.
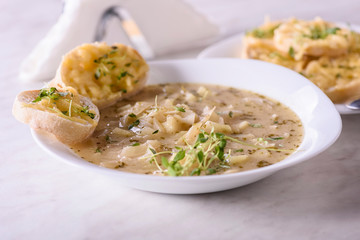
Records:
x=103, y=73
x=70, y=117
x=312, y=38
x=325, y=53
x=338, y=77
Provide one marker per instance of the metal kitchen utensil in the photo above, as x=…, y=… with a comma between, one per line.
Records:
x=130, y=28
x=354, y=104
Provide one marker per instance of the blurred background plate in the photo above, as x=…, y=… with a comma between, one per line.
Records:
x=231, y=48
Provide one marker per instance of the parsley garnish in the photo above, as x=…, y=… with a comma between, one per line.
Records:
x=124, y=73
x=97, y=73
x=292, y=52
x=263, y=163
x=206, y=156
x=274, y=138
x=207, y=149
x=86, y=111
x=256, y=125
x=156, y=131
x=180, y=109
x=135, y=144
x=264, y=33
x=320, y=33
x=51, y=93
x=135, y=123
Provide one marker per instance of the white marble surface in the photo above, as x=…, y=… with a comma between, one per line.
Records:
x=43, y=198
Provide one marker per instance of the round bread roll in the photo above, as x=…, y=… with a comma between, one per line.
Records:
x=103, y=73
x=70, y=117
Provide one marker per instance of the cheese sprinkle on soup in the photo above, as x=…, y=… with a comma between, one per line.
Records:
x=190, y=130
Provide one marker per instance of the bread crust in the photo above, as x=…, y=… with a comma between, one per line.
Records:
x=65, y=130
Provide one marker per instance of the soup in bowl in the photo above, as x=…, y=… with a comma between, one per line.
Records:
x=207, y=125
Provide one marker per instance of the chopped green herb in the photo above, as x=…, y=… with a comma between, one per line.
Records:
x=263, y=163
x=207, y=155
x=152, y=150
x=132, y=115
x=274, y=138
x=128, y=64
x=135, y=144
x=332, y=30
x=180, y=155
x=320, y=33
x=201, y=138
x=98, y=150
x=200, y=156
x=292, y=52
x=346, y=67
x=124, y=73
x=239, y=150
x=64, y=112
x=231, y=114
x=180, y=109
x=155, y=132
x=196, y=171
x=135, y=123
x=97, y=73
x=86, y=111
x=51, y=93
x=256, y=125
x=164, y=162
x=264, y=33
x=210, y=171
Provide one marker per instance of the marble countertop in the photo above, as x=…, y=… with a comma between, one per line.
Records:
x=44, y=198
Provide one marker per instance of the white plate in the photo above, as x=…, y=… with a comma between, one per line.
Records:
x=230, y=48
x=321, y=121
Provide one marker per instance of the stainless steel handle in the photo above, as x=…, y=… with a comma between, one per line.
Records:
x=130, y=28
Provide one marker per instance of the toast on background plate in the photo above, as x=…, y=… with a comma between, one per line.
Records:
x=323, y=52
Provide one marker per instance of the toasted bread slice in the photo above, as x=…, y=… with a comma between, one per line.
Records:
x=253, y=48
x=70, y=117
x=312, y=38
x=338, y=77
x=103, y=73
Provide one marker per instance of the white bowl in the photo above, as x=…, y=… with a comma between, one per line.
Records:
x=321, y=121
